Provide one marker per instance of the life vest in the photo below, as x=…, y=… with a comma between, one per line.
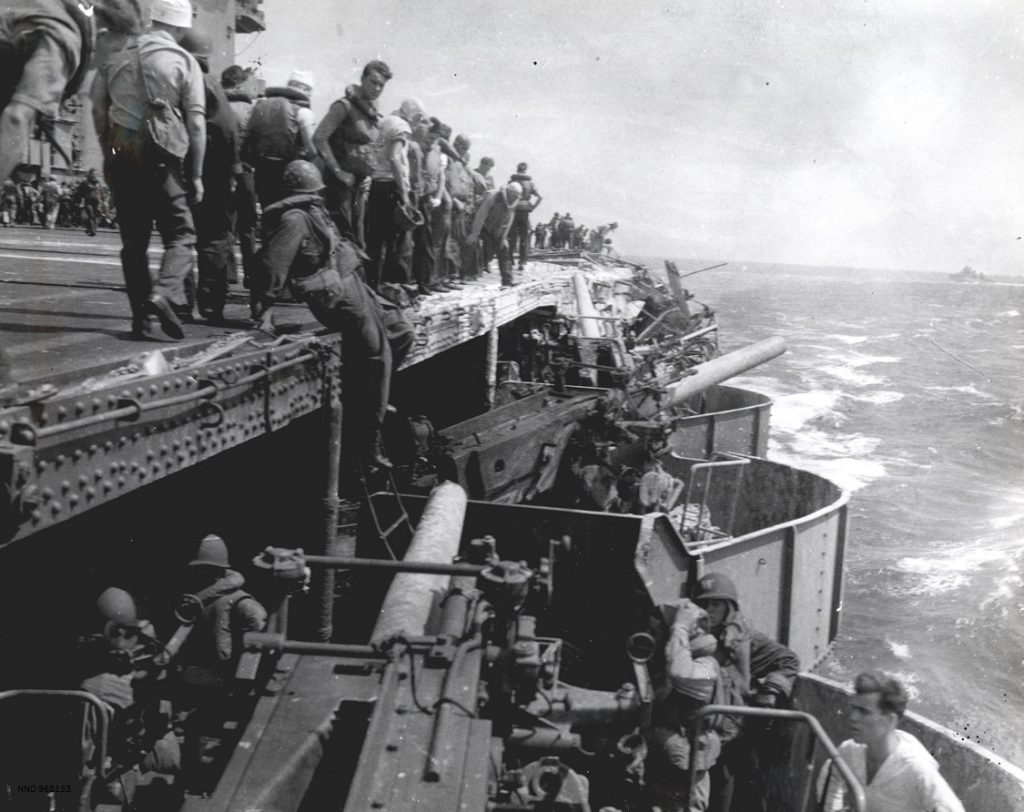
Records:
x=352, y=142
x=523, y=204
x=273, y=130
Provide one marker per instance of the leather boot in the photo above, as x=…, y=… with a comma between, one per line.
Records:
x=377, y=457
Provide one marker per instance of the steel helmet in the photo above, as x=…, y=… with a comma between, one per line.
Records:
x=198, y=43
x=117, y=606
x=213, y=552
x=302, y=176
x=716, y=585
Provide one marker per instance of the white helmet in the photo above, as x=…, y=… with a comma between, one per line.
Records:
x=172, y=12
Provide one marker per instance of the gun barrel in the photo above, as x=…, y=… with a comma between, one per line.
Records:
x=720, y=369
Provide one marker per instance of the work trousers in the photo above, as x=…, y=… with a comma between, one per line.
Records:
x=440, y=222
x=346, y=304
x=384, y=239
x=148, y=190
x=491, y=246
x=424, y=252
x=345, y=203
x=214, y=246
x=269, y=184
x=455, y=248
x=90, y=217
x=245, y=220
x=51, y=210
x=520, y=235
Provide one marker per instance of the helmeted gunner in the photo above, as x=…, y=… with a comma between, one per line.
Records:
x=756, y=670
x=303, y=251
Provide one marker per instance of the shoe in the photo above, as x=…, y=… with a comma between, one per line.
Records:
x=412, y=290
x=509, y=283
x=142, y=328
x=164, y=311
x=424, y=290
x=377, y=457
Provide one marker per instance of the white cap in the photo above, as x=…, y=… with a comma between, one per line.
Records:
x=172, y=12
x=302, y=81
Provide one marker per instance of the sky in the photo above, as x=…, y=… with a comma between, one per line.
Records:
x=870, y=133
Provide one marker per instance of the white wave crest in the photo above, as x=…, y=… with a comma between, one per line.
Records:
x=791, y=412
x=848, y=339
x=1009, y=314
x=969, y=389
x=851, y=376
x=901, y=650
x=861, y=359
x=879, y=398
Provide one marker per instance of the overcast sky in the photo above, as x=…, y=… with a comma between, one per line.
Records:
x=870, y=133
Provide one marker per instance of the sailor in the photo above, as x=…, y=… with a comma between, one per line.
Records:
x=226, y=613
x=343, y=142
x=49, y=191
x=215, y=243
x=897, y=772
x=111, y=667
x=521, y=222
x=756, y=670
x=491, y=226
x=391, y=197
x=462, y=184
x=304, y=252
x=244, y=214
x=88, y=195
x=145, y=151
x=280, y=130
x=691, y=680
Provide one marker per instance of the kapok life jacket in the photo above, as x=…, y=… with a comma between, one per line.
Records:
x=37, y=23
x=273, y=130
x=524, y=204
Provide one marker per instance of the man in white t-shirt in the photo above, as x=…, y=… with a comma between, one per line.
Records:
x=389, y=190
x=897, y=772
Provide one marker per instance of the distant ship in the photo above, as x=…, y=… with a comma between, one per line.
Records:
x=968, y=274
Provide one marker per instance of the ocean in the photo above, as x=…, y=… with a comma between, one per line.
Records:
x=908, y=391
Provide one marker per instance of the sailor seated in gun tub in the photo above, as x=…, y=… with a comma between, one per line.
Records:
x=690, y=681
x=756, y=670
x=222, y=613
x=122, y=665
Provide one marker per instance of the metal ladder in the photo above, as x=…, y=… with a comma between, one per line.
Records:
x=385, y=533
x=724, y=464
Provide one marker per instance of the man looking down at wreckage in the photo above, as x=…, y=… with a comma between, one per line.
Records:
x=302, y=250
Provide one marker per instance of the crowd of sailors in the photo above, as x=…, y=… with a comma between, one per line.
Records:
x=359, y=210
x=49, y=203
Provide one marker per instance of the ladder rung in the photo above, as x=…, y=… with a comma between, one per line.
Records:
x=394, y=526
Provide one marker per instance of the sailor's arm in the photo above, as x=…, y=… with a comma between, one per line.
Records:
x=399, y=160
x=335, y=117
x=275, y=262
x=481, y=216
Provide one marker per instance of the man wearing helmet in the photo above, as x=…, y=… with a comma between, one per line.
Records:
x=303, y=251
x=225, y=613
x=116, y=666
x=756, y=670
x=690, y=682
x=145, y=159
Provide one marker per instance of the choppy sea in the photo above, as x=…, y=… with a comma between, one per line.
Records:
x=907, y=390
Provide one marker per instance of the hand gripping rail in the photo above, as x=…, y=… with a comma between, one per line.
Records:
x=820, y=736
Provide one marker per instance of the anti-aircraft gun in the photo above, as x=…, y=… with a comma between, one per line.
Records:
x=504, y=672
